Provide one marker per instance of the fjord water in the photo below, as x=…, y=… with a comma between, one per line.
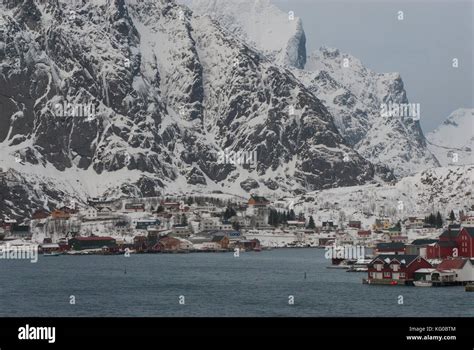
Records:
x=213, y=284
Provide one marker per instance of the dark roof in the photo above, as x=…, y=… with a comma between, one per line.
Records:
x=20, y=228
x=451, y=244
x=391, y=245
x=134, y=205
x=403, y=259
x=424, y=241
x=105, y=209
x=455, y=226
x=450, y=233
x=469, y=230
x=258, y=198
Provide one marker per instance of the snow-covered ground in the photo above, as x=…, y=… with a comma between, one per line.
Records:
x=437, y=189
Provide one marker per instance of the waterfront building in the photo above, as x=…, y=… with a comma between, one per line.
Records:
x=92, y=242
x=167, y=244
x=385, y=268
x=221, y=240
x=246, y=245
x=462, y=268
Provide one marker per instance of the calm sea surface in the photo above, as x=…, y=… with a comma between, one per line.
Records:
x=212, y=284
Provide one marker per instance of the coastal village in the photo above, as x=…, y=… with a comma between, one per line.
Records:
x=431, y=250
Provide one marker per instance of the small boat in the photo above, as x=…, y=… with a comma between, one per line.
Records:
x=422, y=283
x=339, y=267
x=52, y=254
x=357, y=269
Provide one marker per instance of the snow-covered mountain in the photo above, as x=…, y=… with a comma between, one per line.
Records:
x=352, y=93
x=259, y=23
x=453, y=141
x=169, y=89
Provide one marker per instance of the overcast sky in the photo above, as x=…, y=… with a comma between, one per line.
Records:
x=421, y=47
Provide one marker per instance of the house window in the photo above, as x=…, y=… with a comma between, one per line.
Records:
x=371, y=274
x=387, y=274
x=379, y=267
x=402, y=274
x=395, y=267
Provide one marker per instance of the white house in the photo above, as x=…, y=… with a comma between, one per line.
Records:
x=467, y=221
x=463, y=268
x=209, y=223
x=90, y=213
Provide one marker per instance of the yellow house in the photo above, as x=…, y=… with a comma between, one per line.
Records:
x=382, y=224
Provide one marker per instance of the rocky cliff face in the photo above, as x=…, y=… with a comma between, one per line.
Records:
x=352, y=93
x=139, y=97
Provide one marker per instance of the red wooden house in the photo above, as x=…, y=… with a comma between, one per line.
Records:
x=355, y=224
x=453, y=243
x=257, y=201
x=364, y=233
x=441, y=249
x=167, y=244
x=399, y=268
x=465, y=241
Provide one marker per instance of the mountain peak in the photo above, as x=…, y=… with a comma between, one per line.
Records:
x=278, y=35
